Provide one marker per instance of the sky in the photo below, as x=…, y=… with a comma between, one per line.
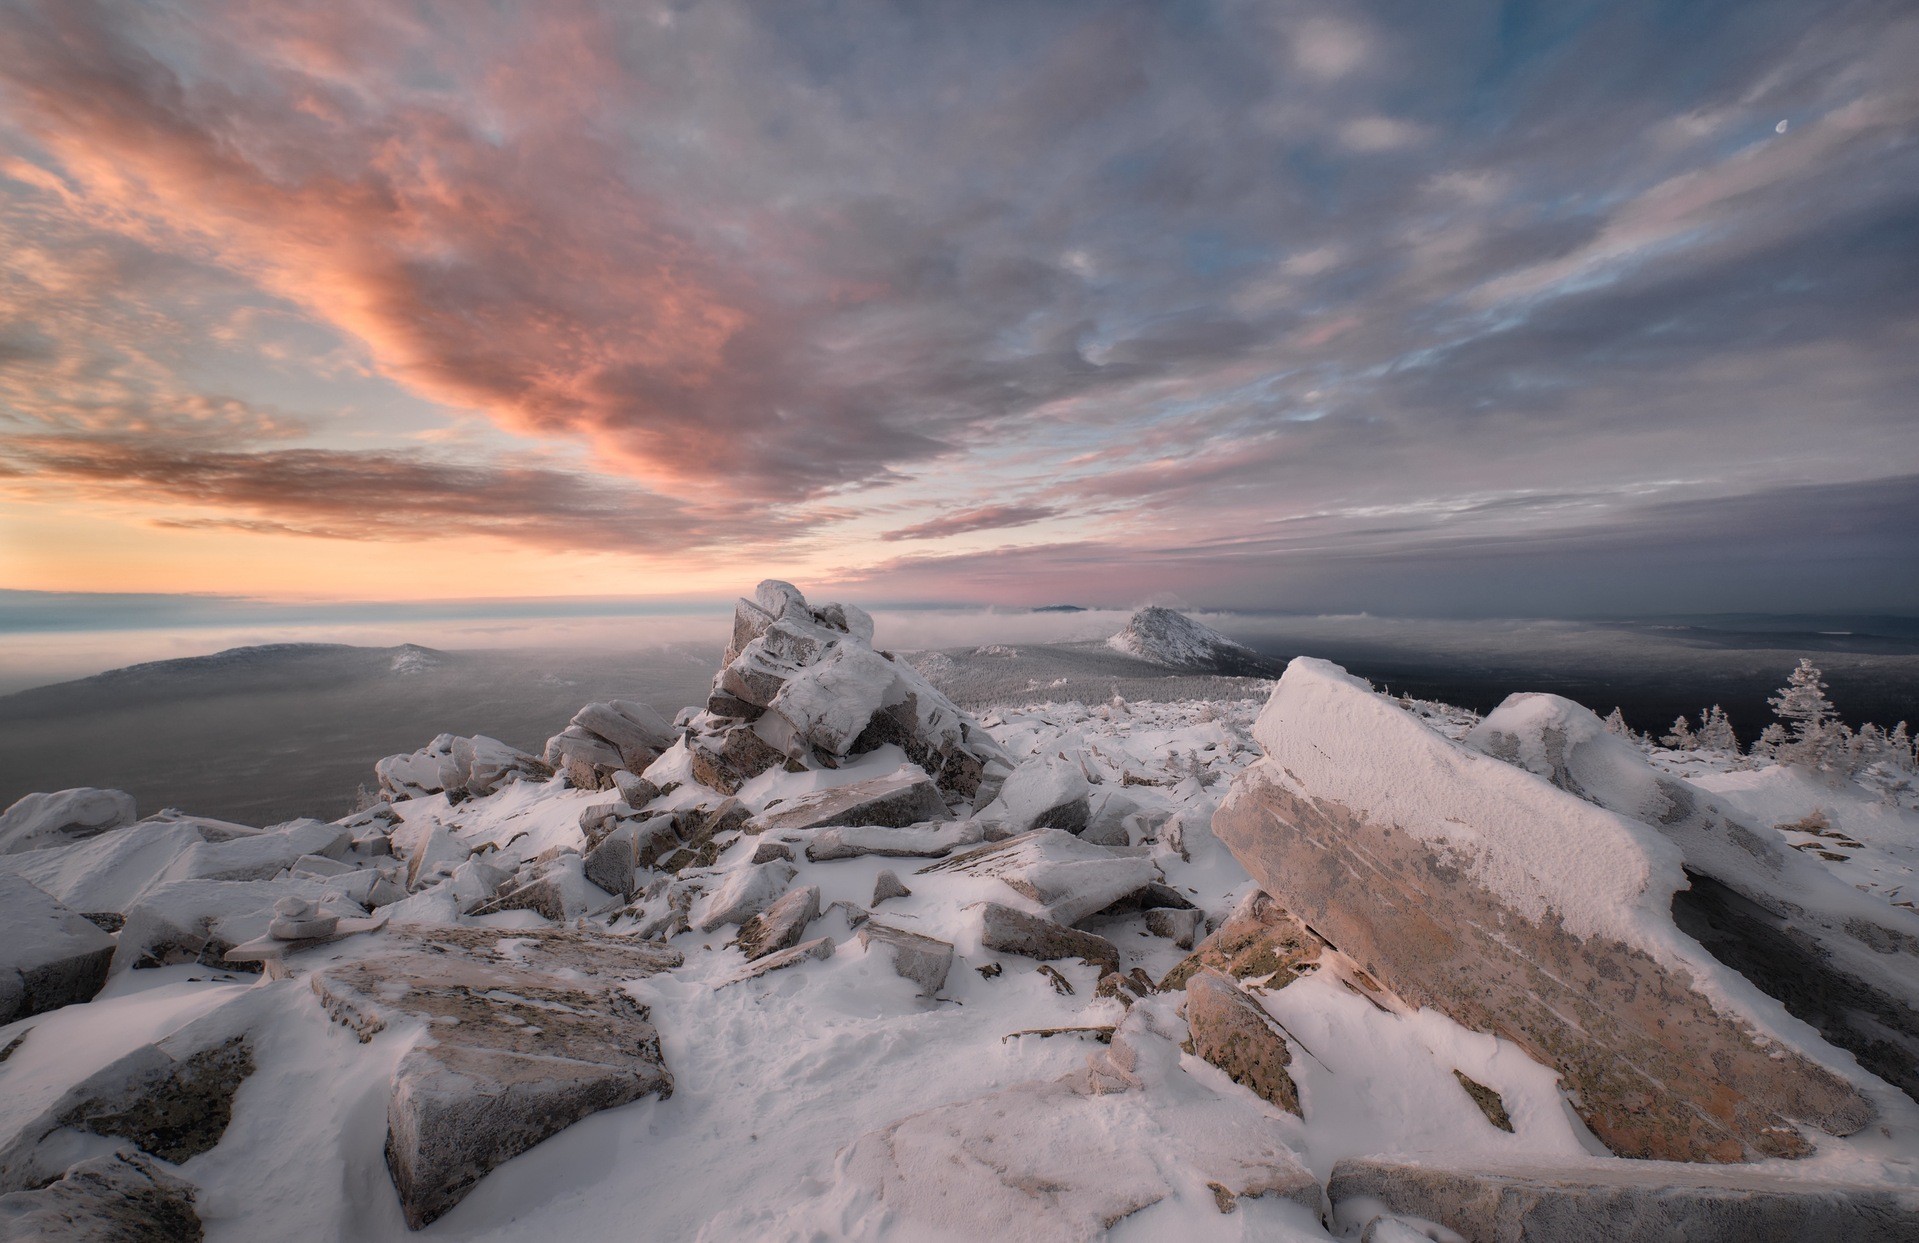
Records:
x=1463, y=308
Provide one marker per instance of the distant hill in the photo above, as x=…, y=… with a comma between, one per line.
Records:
x=262, y=734
x=1164, y=637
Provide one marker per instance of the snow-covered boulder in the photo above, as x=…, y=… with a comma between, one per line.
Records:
x=1065, y=878
x=558, y=889
x=41, y=820
x=1476, y=888
x=1164, y=637
x=49, y=956
x=605, y=738
x=530, y=1034
x=803, y=682
x=458, y=767
x=922, y=959
x=1045, y=792
x=200, y=920
x=105, y=1199
x=1838, y=959
x=742, y=893
x=172, y=1097
x=108, y=873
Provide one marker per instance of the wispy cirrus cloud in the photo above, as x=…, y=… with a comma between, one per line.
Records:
x=966, y=521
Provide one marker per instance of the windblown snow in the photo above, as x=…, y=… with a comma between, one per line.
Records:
x=964, y=1016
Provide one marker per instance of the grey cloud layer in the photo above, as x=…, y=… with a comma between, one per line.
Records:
x=1203, y=266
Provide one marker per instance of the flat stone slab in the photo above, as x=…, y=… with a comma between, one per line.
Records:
x=49, y=956
x=1069, y=878
x=1625, y=1203
x=805, y=951
x=918, y=841
x=906, y=796
x=1013, y=931
x=525, y=1034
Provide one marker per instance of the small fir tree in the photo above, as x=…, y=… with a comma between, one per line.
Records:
x=1681, y=738
x=1715, y=731
x=1816, y=737
x=1616, y=724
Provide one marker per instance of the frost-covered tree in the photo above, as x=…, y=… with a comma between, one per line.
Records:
x=1715, y=731
x=1616, y=724
x=1815, y=737
x=1766, y=747
x=1681, y=738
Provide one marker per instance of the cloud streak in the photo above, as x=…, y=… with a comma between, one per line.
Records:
x=836, y=278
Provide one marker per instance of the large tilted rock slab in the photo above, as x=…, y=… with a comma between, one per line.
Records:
x=108, y=1199
x=525, y=1033
x=41, y=820
x=1624, y=1204
x=1844, y=962
x=49, y=956
x=906, y=796
x=1467, y=885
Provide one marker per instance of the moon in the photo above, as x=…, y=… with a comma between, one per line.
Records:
x=1780, y=128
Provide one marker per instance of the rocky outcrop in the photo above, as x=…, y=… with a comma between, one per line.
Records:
x=1620, y=1204
x=1233, y=1033
x=49, y=956
x=1164, y=637
x=41, y=820
x=119, y=1198
x=605, y=738
x=1844, y=963
x=529, y=1034
x=460, y=768
x=896, y=800
x=803, y=684
x=1469, y=886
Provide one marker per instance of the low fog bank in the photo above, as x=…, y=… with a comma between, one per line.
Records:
x=295, y=734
